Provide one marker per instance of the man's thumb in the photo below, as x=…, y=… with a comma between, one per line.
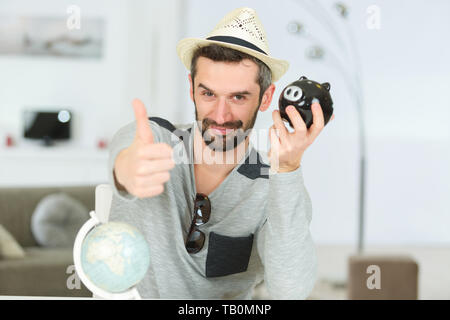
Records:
x=143, y=130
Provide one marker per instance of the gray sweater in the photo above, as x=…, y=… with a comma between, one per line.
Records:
x=258, y=229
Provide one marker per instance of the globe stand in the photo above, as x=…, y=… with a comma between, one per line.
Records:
x=103, y=196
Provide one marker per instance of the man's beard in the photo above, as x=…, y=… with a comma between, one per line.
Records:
x=223, y=143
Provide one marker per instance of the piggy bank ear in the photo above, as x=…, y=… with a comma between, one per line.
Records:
x=303, y=78
x=326, y=85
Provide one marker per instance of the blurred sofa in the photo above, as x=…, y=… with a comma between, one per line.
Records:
x=42, y=271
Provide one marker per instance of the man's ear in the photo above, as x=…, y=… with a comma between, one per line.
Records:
x=267, y=98
x=191, y=87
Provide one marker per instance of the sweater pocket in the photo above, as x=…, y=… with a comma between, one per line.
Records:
x=227, y=255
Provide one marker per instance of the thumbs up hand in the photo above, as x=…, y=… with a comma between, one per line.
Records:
x=143, y=167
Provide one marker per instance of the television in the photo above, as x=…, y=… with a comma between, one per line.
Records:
x=47, y=126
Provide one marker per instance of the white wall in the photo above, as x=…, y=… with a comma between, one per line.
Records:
x=92, y=88
x=406, y=75
x=98, y=91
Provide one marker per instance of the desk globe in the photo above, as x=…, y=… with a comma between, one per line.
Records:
x=115, y=256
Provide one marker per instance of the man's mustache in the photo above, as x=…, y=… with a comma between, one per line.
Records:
x=228, y=125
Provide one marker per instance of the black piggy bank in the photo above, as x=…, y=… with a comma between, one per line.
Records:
x=300, y=94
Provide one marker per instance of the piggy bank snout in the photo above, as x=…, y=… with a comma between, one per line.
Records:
x=293, y=93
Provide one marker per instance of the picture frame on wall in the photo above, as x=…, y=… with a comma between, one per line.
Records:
x=51, y=36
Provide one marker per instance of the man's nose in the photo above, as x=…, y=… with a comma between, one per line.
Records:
x=222, y=111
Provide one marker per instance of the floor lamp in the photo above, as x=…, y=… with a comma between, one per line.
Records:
x=318, y=51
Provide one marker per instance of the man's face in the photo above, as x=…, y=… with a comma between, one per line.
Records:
x=226, y=98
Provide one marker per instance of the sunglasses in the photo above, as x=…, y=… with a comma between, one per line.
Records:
x=202, y=211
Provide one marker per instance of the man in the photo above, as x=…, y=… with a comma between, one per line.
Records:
x=217, y=228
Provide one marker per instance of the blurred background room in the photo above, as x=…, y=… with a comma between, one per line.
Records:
x=378, y=175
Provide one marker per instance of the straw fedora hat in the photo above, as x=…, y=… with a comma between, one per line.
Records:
x=242, y=30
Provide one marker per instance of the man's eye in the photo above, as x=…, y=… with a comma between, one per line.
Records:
x=208, y=93
x=239, y=97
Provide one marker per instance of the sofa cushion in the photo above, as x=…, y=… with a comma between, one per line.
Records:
x=56, y=220
x=9, y=248
x=17, y=205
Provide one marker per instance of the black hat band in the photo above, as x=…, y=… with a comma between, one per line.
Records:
x=236, y=41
